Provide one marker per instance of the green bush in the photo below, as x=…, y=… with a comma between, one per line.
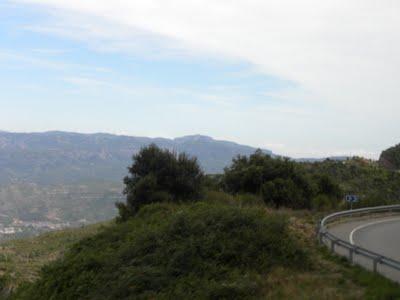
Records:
x=215, y=197
x=245, y=199
x=158, y=175
x=323, y=202
x=201, y=251
x=279, y=181
x=373, y=184
x=284, y=192
x=248, y=199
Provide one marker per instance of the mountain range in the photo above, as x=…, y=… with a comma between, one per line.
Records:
x=67, y=158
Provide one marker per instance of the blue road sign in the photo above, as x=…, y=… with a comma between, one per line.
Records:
x=351, y=198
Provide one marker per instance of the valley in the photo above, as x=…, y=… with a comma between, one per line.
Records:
x=31, y=209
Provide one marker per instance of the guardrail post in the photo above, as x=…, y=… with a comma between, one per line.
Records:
x=333, y=245
x=320, y=237
x=351, y=253
x=375, y=265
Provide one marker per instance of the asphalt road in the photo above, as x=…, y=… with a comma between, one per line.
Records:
x=378, y=235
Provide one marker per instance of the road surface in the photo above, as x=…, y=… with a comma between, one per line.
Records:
x=380, y=235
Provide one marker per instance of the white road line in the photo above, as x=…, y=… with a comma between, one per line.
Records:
x=368, y=224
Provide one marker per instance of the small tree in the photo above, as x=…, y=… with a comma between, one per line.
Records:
x=158, y=175
x=283, y=192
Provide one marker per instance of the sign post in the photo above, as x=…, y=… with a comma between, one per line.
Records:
x=351, y=199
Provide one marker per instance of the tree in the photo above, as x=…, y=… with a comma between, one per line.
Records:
x=280, y=181
x=284, y=192
x=328, y=187
x=158, y=175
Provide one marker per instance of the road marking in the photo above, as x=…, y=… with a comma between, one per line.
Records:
x=366, y=225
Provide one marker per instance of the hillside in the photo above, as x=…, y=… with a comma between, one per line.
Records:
x=224, y=273
x=22, y=259
x=29, y=209
x=390, y=158
x=54, y=180
x=68, y=158
x=366, y=178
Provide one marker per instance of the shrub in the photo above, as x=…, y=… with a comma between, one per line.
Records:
x=215, y=197
x=284, y=192
x=158, y=175
x=327, y=186
x=248, y=199
x=280, y=181
x=200, y=251
x=321, y=202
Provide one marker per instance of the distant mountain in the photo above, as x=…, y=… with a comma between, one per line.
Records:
x=312, y=160
x=63, y=157
x=390, y=158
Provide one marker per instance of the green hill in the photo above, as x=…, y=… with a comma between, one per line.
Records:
x=21, y=260
x=390, y=158
x=201, y=251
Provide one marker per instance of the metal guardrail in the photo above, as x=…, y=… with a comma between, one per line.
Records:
x=333, y=241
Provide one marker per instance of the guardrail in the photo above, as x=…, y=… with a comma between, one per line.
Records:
x=365, y=256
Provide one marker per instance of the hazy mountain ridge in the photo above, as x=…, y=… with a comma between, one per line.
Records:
x=63, y=157
x=61, y=177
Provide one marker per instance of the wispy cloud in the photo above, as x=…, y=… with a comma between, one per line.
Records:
x=44, y=51
x=39, y=58
x=343, y=52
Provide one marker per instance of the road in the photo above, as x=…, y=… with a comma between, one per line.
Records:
x=380, y=235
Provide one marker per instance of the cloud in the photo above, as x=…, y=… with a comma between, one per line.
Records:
x=340, y=50
x=340, y=54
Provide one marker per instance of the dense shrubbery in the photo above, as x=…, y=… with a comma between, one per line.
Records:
x=281, y=182
x=374, y=185
x=158, y=175
x=161, y=176
x=199, y=251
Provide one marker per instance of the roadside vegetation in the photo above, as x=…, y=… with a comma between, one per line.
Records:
x=373, y=184
x=246, y=234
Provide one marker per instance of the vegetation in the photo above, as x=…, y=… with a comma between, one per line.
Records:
x=21, y=260
x=373, y=184
x=201, y=251
x=327, y=277
x=281, y=182
x=231, y=236
x=390, y=158
x=158, y=175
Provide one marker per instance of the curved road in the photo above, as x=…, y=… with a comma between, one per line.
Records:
x=380, y=235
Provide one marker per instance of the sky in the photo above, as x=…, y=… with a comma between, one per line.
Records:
x=305, y=78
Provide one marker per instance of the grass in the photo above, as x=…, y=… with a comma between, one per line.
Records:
x=21, y=260
x=325, y=277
